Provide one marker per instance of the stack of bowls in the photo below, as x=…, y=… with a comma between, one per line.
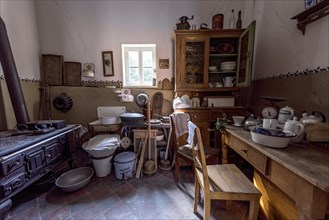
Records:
x=228, y=66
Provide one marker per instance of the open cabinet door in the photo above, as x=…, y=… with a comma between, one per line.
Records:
x=245, y=59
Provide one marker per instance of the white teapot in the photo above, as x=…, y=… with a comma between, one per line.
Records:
x=285, y=113
x=296, y=127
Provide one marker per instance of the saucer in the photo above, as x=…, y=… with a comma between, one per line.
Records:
x=237, y=125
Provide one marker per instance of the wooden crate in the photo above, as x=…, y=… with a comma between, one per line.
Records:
x=72, y=74
x=52, y=69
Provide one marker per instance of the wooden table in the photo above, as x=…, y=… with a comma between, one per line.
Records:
x=294, y=181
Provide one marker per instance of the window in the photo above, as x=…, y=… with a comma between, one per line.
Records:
x=139, y=62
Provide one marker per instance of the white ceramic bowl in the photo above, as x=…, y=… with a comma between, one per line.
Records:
x=212, y=68
x=238, y=120
x=272, y=141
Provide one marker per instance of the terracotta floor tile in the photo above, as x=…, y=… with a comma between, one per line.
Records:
x=60, y=213
x=148, y=197
x=28, y=214
x=119, y=211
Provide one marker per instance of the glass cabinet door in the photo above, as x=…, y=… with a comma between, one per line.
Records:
x=194, y=62
x=246, y=49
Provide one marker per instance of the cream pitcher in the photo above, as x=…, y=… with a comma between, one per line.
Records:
x=296, y=127
x=229, y=81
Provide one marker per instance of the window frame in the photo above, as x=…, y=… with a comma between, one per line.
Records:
x=140, y=48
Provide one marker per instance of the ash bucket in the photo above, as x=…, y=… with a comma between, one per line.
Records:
x=124, y=163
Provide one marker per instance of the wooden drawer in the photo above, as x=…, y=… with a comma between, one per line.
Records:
x=257, y=159
x=200, y=116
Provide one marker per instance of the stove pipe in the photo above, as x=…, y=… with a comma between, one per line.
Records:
x=11, y=77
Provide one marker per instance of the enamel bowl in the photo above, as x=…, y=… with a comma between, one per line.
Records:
x=75, y=179
x=272, y=141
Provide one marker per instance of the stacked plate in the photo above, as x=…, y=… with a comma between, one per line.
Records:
x=228, y=66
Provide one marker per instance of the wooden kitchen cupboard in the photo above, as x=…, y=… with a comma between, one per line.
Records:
x=195, y=52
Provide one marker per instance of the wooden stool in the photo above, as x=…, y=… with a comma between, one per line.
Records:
x=221, y=181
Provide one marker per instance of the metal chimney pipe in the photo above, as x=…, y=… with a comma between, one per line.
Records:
x=11, y=77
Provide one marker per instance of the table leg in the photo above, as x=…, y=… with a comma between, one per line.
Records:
x=311, y=203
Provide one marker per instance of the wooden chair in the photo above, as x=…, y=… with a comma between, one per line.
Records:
x=220, y=182
x=183, y=150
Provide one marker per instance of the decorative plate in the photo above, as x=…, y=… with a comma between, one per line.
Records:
x=225, y=48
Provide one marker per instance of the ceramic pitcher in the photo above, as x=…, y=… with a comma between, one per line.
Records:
x=229, y=81
x=296, y=127
x=285, y=113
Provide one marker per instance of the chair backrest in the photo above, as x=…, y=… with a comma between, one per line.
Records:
x=179, y=120
x=200, y=165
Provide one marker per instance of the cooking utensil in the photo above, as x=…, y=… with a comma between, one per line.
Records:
x=297, y=128
x=165, y=164
x=315, y=117
x=251, y=122
x=150, y=166
x=132, y=117
x=272, y=141
x=285, y=114
x=75, y=179
x=142, y=99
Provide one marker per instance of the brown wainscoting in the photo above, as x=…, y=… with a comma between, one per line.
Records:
x=308, y=93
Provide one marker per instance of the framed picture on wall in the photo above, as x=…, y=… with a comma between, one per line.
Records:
x=310, y=3
x=107, y=57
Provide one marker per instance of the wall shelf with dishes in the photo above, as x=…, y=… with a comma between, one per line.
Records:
x=312, y=14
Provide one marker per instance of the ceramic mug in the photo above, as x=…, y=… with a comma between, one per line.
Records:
x=229, y=81
x=270, y=123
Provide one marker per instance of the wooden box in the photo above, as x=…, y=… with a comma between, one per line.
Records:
x=72, y=74
x=317, y=132
x=52, y=69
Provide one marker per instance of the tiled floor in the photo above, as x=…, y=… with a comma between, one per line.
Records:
x=149, y=197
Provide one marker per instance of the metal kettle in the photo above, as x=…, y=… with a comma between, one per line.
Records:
x=315, y=117
x=251, y=123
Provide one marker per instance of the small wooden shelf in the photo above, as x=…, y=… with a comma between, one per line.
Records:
x=311, y=14
x=214, y=89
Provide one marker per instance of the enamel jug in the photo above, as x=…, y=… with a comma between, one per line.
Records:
x=296, y=127
x=285, y=113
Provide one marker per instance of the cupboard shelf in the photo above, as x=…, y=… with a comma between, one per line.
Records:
x=218, y=89
x=312, y=14
x=224, y=55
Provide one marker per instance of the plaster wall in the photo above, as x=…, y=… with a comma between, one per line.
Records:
x=280, y=47
x=81, y=30
x=21, y=25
